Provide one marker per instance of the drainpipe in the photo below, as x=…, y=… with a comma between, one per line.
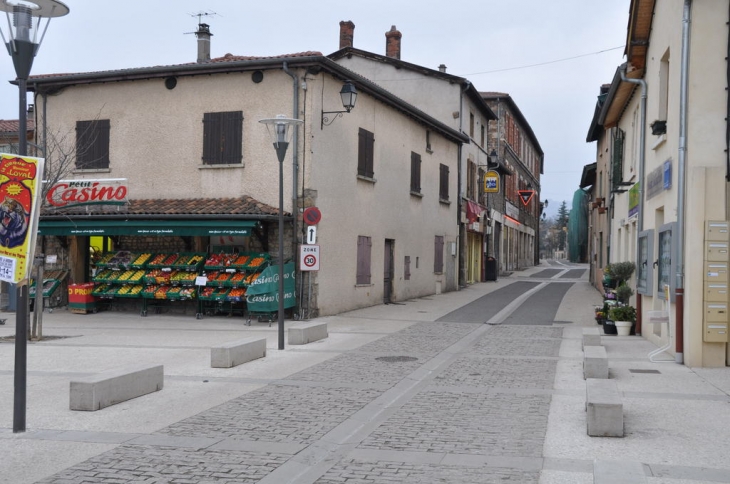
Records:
x=642, y=157
x=463, y=243
x=681, y=180
x=295, y=158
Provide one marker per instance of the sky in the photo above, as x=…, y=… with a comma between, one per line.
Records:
x=550, y=56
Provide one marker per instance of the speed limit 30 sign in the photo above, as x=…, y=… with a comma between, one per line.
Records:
x=309, y=257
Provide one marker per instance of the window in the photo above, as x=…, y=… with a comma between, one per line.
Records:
x=645, y=262
x=428, y=141
x=415, y=172
x=438, y=256
x=665, y=262
x=471, y=125
x=471, y=182
x=443, y=182
x=92, y=144
x=663, y=87
x=366, y=143
x=617, y=158
x=364, y=248
x=481, y=142
x=222, y=138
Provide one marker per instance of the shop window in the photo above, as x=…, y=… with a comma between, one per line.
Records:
x=222, y=138
x=415, y=173
x=364, y=249
x=666, y=262
x=443, y=183
x=92, y=144
x=645, y=263
x=438, y=256
x=365, y=152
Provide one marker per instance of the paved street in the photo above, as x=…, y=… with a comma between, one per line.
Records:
x=483, y=385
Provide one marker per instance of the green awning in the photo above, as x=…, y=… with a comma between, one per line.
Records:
x=203, y=227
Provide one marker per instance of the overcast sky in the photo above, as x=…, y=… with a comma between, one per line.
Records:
x=550, y=56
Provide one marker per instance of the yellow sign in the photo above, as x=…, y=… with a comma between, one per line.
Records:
x=491, y=182
x=20, y=193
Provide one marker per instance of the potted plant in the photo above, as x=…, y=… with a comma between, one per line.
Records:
x=621, y=271
x=624, y=317
x=623, y=293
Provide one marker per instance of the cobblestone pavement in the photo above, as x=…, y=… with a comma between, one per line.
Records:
x=435, y=402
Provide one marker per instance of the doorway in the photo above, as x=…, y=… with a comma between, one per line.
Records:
x=388, y=270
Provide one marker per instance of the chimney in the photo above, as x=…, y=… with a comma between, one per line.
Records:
x=347, y=33
x=203, y=34
x=392, y=43
x=442, y=68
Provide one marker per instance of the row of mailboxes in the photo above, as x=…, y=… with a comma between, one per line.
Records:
x=716, y=260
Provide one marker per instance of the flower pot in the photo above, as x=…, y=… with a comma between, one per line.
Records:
x=609, y=327
x=623, y=328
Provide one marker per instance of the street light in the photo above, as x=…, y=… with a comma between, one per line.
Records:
x=348, y=93
x=280, y=135
x=22, y=48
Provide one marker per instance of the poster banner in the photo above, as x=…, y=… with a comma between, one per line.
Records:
x=20, y=193
x=262, y=296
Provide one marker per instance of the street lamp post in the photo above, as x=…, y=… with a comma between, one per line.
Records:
x=22, y=48
x=280, y=134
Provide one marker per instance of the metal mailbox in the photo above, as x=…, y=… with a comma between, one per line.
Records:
x=715, y=332
x=716, y=311
x=716, y=291
x=716, y=271
x=718, y=230
x=716, y=251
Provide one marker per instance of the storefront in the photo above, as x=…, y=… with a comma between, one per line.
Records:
x=196, y=256
x=475, y=215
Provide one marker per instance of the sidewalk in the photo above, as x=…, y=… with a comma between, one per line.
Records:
x=676, y=421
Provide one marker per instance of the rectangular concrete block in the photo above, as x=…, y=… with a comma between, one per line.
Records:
x=595, y=362
x=111, y=387
x=604, y=409
x=237, y=352
x=624, y=471
x=306, y=333
x=591, y=337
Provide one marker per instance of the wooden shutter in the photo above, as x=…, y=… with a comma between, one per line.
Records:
x=617, y=161
x=222, y=138
x=443, y=182
x=438, y=256
x=407, y=268
x=415, y=172
x=366, y=142
x=92, y=144
x=364, y=247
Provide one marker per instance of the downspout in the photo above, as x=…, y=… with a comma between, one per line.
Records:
x=462, y=228
x=295, y=159
x=642, y=157
x=682, y=181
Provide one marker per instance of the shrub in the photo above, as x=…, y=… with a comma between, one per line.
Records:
x=623, y=293
x=623, y=313
x=621, y=271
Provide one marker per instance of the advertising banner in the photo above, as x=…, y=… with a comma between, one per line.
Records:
x=20, y=193
x=262, y=296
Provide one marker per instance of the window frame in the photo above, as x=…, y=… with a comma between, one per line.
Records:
x=92, y=144
x=218, y=127
x=366, y=154
x=443, y=183
x=416, y=163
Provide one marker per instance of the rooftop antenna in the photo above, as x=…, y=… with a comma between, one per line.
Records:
x=203, y=34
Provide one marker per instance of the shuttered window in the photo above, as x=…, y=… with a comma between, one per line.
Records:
x=92, y=144
x=617, y=161
x=415, y=172
x=443, y=182
x=366, y=144
x=222, y=138
x=364, y=248
x=438, y=256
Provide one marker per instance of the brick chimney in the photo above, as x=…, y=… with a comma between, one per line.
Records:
x=392, y=43
x=203, y=34
x=347, y=33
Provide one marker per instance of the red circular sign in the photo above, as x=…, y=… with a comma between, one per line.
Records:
x=310, y=260
x=312, y=215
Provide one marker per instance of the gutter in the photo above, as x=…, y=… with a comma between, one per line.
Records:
x=642, y=158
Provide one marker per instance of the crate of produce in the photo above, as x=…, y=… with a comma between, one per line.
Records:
x=164, y=260
x=236, y=294
x=213, y=293
x=140, y=260
x=183, y=278
x=130, y=290
x=221, y=279
x=148, y=292
x=219, y=261
x=178, y=292
x=251, y=277
x=161, y=292
x=157, y=276
x=258, y=262
x=105, y=258
x=237, y=279
x=131, y=276
x=189, y=261
x=121, y=260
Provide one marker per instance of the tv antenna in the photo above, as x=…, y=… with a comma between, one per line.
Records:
x=201, y=15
